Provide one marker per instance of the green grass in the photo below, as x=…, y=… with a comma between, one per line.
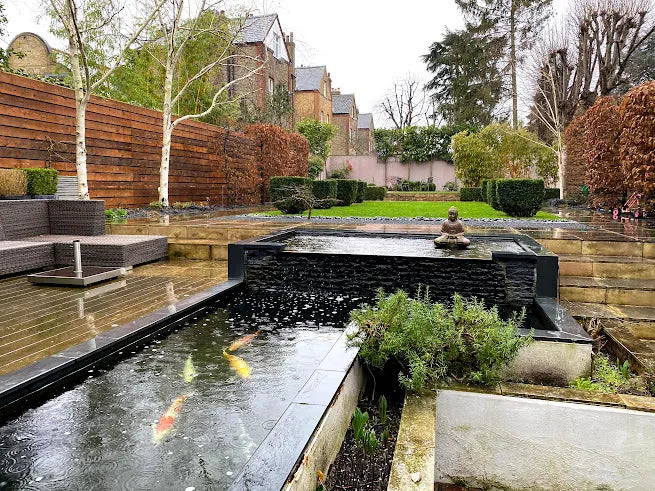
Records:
x=411, y=209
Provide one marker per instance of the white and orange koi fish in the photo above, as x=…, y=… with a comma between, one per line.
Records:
x=243, y=341
x=238, y=364
x=167, y=420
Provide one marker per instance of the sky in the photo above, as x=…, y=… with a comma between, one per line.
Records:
x=366, y=45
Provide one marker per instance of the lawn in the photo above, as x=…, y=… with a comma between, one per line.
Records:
x=411, y=209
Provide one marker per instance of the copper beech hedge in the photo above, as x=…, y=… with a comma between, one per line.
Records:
x=576, y=160
x=277, y=152
x=637, y=141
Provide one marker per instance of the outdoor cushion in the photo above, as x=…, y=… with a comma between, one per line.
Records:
x=108, y=250
x=81, y=217
x=17, y=256
x=2, y=231
x=24, y=218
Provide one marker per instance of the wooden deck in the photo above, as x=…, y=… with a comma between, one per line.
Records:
x=39, y=321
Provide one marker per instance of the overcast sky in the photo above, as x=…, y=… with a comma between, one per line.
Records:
x=365, y=44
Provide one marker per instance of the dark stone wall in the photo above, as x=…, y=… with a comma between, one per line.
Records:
x=503, y=283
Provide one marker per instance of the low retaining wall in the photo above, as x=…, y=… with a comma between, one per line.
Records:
x=506, y=442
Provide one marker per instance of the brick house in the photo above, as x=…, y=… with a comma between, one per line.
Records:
x=36, y=56
x=365, y=141
x=313, y=95
x=344, y=117
x=263, y=44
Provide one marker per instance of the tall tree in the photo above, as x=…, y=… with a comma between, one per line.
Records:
x=468, y=81
x=406, y=104
x=517, y=22
x=99, y=33
x=640, y=67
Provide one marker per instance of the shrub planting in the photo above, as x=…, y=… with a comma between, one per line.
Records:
x=551, y=193
x=450, y=186
x=492, y=196
x=519, y=197
x=316, y=166
x=325, y=193
x=484, y=187
x=576, y=159
x=470, y=194
x=432, y=342
x=375, y=193
x=288, y=194
x=13, y=182
x=637, y=141
x=346, y=191
x=361, y=191
x=41, y=182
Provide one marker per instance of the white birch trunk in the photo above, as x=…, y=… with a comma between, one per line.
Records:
x=167, y=131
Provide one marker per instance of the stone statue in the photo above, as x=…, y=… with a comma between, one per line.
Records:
x=452, y=232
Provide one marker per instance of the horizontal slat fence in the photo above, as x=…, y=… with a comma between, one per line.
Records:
x=37, y=129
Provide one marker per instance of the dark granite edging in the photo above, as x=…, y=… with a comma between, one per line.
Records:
x=32, y=384
x=275, y=460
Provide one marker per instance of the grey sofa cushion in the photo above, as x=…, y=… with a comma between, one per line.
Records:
x=24, y=218
x=18, y=256
x=77, y=217
x=2, y=230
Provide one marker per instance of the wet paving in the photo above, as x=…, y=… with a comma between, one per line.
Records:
x=37, y=321
x=186, y=411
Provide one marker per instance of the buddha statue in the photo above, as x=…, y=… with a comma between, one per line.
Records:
x=452, y=232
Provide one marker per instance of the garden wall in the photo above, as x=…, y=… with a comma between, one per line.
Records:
x=208, y=163
x=368, y=168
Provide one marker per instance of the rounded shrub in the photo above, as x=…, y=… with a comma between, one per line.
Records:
x=325, y=193
x=375, y=193
x=41, y=182
x=289, y=194
x=519, y=197
x=470, y=194
x=361, y=191
x=346, y=191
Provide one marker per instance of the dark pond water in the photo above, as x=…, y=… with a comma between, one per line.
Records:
x=181, y=413
x=395, y=246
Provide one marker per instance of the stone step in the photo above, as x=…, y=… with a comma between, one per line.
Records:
x=194, y=232
x=631, y=340
x=589, y=310
x=620, y=291
x=607, y=266
x=198, y=249
x=599, y=247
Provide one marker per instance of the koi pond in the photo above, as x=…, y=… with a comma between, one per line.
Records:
x=187, y=411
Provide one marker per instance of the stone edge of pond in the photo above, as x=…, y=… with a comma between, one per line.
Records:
x=34, y=383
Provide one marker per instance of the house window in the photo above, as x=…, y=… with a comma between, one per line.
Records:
x=276, y=45
x=322, y=116
x=325, y=89
x=271, y=85
x=327, y=118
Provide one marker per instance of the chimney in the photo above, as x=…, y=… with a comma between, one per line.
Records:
x=336, y=91
x=291, y=48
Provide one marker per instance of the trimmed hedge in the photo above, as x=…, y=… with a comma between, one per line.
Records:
x=361, y=191
x=41, y=182
x=346, y=191
x=470, y=194
x=550, y=193
x=519, y=197
x=325, y=192
x=492, y=193
x=286, y=193
x=484, y=189
x=375, y=193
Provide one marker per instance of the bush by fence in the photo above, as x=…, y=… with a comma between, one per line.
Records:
x=346, y=191
x=470, y=194
x=519, y=197
x=361, y=191
x=375, y=193
x=41, y=182
x=551, y=193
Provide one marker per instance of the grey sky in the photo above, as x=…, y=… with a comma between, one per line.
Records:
x=366, y=45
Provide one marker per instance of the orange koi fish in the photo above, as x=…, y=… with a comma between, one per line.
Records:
x=242, y=341
x=167, y=420
x=238, y=364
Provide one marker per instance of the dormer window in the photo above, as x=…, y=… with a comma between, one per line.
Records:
x=276, y=45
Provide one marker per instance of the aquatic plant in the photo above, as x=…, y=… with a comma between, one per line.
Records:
x=433, y=342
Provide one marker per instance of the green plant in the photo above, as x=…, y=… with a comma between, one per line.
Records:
x=433, y=342
x=470, y=194
x=182, y=205
x=319, y=135
x=611, y=377
x=113, y=214
x=288, y=193
x=369, y=441
x=484, y=189
x=13, y=182
x=342, y=172
x=492, y=197
x=450, y=186
x=364, y=437
x=346, y=191
x=325, y=192
x=156, y=204
x=41, y=181
x=519, y=197
x=416, y=143
x=551, y=193
x=316, y=165
x=358, y=423
x=361, y=191
x=375, y=193
x=382, y=410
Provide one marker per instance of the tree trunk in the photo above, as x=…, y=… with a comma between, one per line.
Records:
x=167, y=132
x=512, y=64
x=81, y=102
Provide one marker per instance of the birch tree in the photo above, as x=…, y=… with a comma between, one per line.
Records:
x=179, y=25
x=99, y=32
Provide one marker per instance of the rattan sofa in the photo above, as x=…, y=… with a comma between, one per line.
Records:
x=37, y=234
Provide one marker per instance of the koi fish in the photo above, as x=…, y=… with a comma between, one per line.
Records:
x=189, y=372
x=242, y=341
x=238, y=364
x=167, y=420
